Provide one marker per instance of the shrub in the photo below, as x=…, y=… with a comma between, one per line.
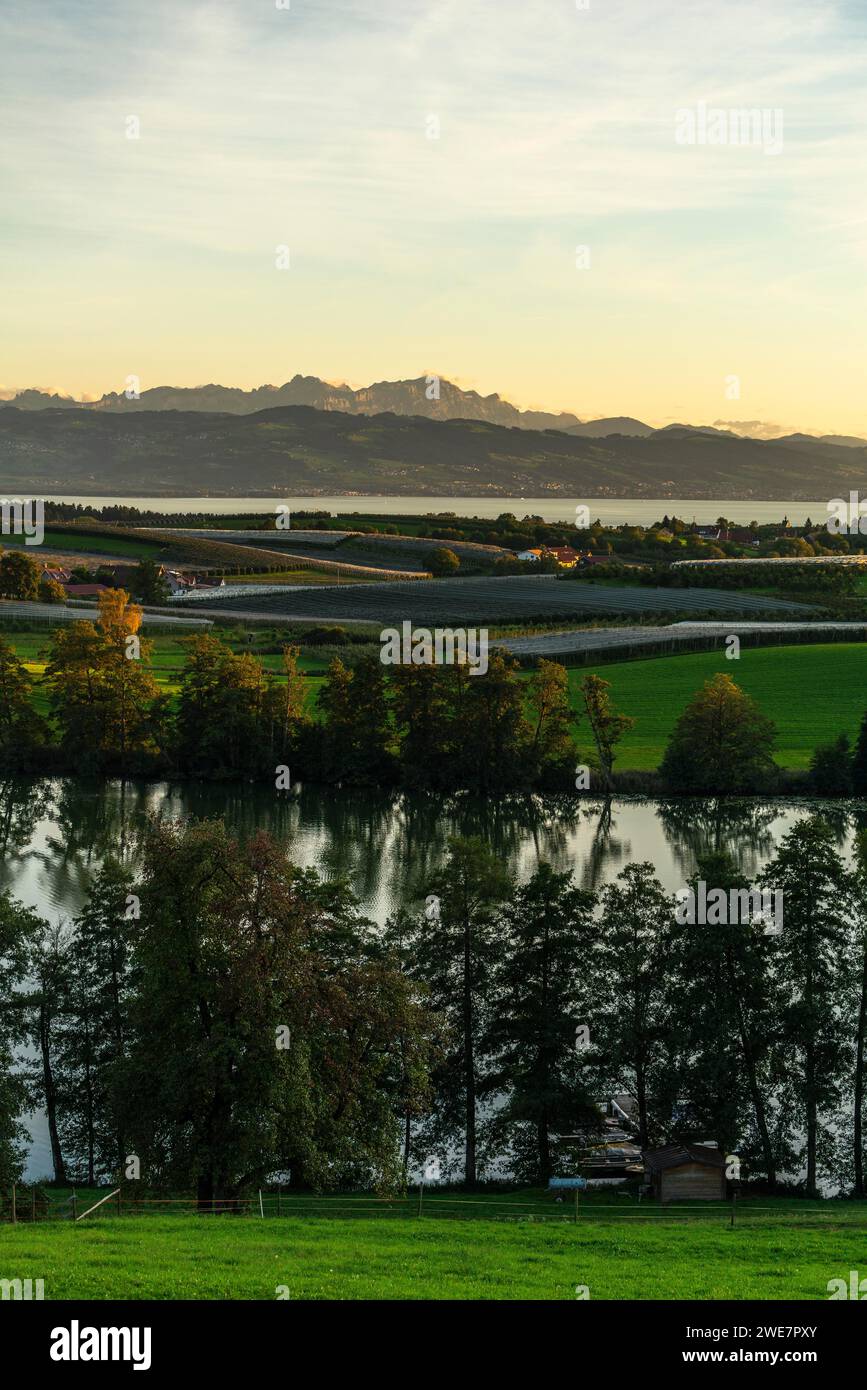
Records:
x=443, y=562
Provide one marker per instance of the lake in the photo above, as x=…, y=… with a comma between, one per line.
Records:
x=54, y=834
x=613, y=511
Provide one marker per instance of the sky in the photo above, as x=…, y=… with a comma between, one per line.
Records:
x=522, y=197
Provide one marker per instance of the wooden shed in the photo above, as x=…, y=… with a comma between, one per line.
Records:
x=686, y=1173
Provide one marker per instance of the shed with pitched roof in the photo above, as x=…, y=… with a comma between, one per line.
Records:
x=686, y=1172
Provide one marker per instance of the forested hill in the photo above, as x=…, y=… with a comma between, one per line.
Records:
x=297, y=449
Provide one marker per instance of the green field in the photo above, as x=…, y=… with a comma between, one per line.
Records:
x=812, y=693
x=788, y=1251
x=69, y=541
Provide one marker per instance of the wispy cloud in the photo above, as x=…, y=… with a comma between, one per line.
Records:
x=308, y=126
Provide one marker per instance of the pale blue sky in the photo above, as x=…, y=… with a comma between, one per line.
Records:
x=307, y=127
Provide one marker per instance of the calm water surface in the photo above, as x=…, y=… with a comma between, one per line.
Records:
x=613, y=511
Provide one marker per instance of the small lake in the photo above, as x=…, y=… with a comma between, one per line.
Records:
x=613, y=511
x=55, y=833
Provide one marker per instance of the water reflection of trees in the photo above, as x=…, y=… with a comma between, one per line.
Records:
x=521, y=829
x=90, y=822
x=605, y=850
x=844, y=817
x=741, y=828
x=23, y=804
x=389, y=845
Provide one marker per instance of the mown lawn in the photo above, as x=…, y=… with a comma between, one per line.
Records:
x=788, y=1253
x=812, y=693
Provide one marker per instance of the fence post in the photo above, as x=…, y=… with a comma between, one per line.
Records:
x=74, y=1201
x=576, y=1205
x=33, y=1202
x=14, y=1212
x=420, y=1192
x=261, y=1208
x=734, y=1201
x=279, y=1190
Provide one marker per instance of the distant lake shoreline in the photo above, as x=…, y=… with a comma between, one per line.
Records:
x=610, y=510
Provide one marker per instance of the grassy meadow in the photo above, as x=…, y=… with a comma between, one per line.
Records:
x=789, y=1250
x=812, y=693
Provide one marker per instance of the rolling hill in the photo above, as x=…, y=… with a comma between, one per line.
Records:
x=300, y=450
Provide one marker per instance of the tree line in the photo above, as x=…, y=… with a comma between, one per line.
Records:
x=223, y=1016
x=433, y=726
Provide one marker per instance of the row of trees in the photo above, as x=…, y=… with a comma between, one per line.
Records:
x=436, y=726
x=718, y=1032
x=227, y=1016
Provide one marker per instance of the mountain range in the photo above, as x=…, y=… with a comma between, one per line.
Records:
x=431, y=397
x=309, y=451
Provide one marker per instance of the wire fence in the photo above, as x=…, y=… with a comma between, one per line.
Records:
x=36, y=1204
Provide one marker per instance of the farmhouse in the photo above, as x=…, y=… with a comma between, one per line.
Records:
x=176, y=582
x=686, y=1172
x=564, y=555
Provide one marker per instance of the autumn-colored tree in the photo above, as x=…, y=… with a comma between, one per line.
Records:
x=51, y=591
x=104, y=699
